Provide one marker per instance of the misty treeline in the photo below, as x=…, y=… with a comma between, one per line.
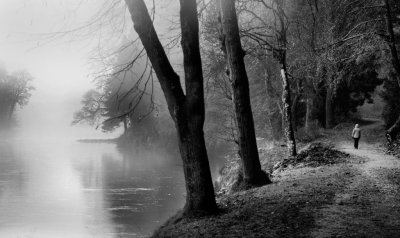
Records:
x=15, y=91
x=276, y=69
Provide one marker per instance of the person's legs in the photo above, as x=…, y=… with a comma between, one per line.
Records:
x=356, y=142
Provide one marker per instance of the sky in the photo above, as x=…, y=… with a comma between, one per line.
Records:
x=63, y=65
x=60, y=66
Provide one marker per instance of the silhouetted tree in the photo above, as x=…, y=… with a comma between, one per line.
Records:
x=187, y=111
x=15, y=90
x=393, y=131
x=252, y=173
x=269, y=34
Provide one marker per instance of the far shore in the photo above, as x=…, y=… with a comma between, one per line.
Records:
x=113, y=140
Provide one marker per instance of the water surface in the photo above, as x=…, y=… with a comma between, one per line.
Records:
x=51, y=188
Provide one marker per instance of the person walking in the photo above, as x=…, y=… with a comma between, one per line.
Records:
x=356, y=134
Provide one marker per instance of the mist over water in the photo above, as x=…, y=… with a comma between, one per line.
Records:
x=55, y=188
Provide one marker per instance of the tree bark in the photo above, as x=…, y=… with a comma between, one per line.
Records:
x=293, y=112
x=282, y=114
x=252, y=173
x=329, y=107
x=269, y=111
x=280, y=54
x=288, y=129
x=188, y=111
x=307, y=122
x=394, y=130
x=125, y=125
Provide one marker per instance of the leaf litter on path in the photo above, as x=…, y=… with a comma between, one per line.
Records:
x=314, y=155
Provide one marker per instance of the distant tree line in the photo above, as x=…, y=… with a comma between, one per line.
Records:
x=270, y=68
x=15, y=91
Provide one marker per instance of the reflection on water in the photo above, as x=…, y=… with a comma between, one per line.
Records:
x=69, y=189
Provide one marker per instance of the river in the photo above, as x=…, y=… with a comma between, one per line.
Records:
x=55, y=188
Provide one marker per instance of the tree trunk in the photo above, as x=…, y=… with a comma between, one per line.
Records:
x=11, y=112
x=282, y=113
x=188, y=111
x=192, y=143
x=393, y=131
x=309, y=104
x=293, y=112
x=200, y=193
x=125, y=124
x=280, y=54
x=269, y=111
x=392, y=43
x=252, y=173
x=329, y=107
x=288, y=129
x=271, y=125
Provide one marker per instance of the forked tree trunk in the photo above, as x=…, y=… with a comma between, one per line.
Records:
x=288, y=129
x=200, y=197
x=187, y=111
x=329, y=107
x=252, y=173
x=192, y=143
x=394, y=130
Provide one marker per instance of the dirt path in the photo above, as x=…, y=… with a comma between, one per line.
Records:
x=358, y=197
x=375, y=166
x=369, y=206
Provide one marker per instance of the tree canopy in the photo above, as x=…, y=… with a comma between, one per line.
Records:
x=15, y=91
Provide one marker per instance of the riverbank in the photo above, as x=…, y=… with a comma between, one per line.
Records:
x=354, y=194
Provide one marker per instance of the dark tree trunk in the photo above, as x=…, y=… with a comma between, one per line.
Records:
x=270, y=115
x=297, y=95
x=392, y=43
x=288, y=129
x=282, y=114
x=309, y=105
x=329, y=107
x=252, y=173
x=192, y=144
x=12, y=104
x=394, y=130
x=11, y=112
x=293, y=111
x=186, y=111
x=125, y=125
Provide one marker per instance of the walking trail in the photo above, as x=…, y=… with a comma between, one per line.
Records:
x=358, y=197
x=369, y=205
